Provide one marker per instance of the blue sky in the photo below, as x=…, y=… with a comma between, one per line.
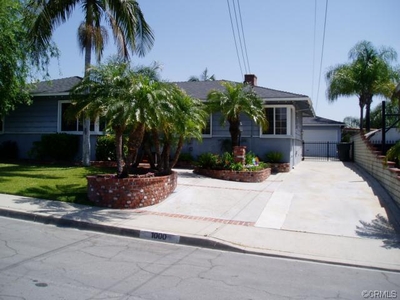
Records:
x=193, y=35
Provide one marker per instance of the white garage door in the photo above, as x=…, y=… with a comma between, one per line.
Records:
x=321, y=135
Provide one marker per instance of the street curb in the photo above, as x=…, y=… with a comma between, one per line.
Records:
x=205, y=242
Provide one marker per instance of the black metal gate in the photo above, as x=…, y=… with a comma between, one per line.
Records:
x=328, y=151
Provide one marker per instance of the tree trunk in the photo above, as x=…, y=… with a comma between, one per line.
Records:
x=235, y=132
x=165, y=157
x=119, y=150
x=361, y=104
x=177, y=152
x=134, y=141
x=86, y=123
x=156, y=142
x=368, y=113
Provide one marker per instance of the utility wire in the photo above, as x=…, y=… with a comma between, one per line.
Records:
x=240, y=39
x=322, y=52
x=234, y=37
x=313, y=61
x=244, y=39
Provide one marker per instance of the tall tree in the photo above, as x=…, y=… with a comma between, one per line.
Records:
x=368, y=74
x=17, y=61
x=234, y=100
x=129, y=28
x=203, y=77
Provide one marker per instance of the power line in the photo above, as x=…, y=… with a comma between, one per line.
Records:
x=244, y=39
x=313, y=61
x=240, y=39
x=234, y=37
x=322, y=53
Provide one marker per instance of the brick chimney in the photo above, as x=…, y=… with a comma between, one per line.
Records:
x=250, y=79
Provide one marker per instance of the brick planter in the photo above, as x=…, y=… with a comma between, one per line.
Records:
x=280, y=167
x=242, y=176
x=133, y=192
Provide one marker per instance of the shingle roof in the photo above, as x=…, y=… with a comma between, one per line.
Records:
x=56, y=86
x=200, y=89
x=320, y=121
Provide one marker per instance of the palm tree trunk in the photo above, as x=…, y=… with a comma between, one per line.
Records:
x=235, y=132
x=119, y=150
x=177, y=152
x=361, y=104
x=368, y=113
x=86, y=122
x=134, y=141
x=156, y=142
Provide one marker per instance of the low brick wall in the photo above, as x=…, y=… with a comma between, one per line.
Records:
x=280, y=167
x=366, y=156
x=242, y=176
x=133, y=192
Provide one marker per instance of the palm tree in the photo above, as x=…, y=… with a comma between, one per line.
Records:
x=129, y=28
x=234, y=100
x=203, y=77
x=368, y=74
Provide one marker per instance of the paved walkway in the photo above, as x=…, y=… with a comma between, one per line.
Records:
x=320, y=211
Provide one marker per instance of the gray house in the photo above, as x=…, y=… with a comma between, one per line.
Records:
x=284, y=110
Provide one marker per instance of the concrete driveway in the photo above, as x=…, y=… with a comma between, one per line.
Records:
x=330, y=198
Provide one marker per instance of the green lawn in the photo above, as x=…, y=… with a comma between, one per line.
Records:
x=62, y=183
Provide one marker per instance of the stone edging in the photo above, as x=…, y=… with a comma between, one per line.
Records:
x=133, y=192
x=241, y=176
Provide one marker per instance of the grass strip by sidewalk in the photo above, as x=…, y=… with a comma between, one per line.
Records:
x=61, y=183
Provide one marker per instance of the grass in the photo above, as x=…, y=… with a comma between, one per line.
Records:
x=52, y=182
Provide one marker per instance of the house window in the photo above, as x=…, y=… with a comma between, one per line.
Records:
x=76, y=125
x=207, y=130
x=279, y=121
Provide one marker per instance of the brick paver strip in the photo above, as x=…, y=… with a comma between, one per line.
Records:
x=207, y=219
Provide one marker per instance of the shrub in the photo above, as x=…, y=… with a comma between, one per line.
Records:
x=226, y=160
x=105, y=148
x=186, y=157
x=250, y=158
x=393, y=154
x=207, y=161
x=9, y=150
x=274, y=157
x=59, y=146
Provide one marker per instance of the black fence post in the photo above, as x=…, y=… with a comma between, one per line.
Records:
x=327, y=150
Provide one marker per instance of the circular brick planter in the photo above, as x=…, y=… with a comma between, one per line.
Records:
x=133, y=192
x=242, y=176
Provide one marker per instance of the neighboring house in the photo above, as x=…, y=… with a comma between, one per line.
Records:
x=284, y=110
x=317, y=133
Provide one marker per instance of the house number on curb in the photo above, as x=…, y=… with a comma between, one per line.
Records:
x=158, y=236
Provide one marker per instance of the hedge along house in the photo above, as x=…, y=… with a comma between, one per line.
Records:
x=284, y=111
x=27, y=123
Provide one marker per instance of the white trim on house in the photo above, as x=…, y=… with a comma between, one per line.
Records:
x=77, y=132
x=290, y=122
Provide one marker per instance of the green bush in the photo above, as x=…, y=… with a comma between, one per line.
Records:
x=274, y=157
x=250, y=158
x=58, y=146
x=393, y=154
x=105, y=148
x=9, y=150
x=226, y=160
x=186, y=157
x=207, y=161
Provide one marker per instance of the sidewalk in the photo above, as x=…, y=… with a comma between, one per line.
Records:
x=320, y=211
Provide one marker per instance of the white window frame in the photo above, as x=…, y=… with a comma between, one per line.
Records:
x=209, y=135
x=59, y=122
x=290, y=115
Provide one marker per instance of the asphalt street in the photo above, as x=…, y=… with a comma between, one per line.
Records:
x=47, y=262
